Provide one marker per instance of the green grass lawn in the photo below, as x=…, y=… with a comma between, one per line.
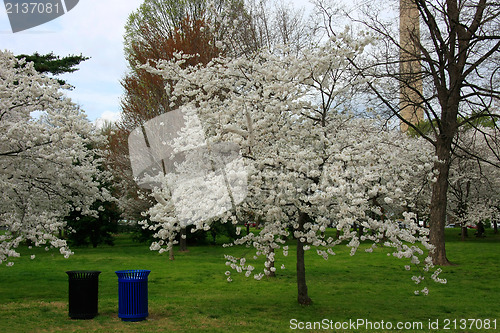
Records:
x=191, y=294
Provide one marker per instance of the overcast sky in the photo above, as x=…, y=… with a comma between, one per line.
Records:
x=94, y=28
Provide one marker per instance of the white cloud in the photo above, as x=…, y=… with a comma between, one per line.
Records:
x=107, y=116
x=111, y=116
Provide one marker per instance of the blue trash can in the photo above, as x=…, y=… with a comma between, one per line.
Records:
x=133, y=294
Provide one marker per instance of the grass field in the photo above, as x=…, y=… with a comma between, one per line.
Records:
x=191, y=294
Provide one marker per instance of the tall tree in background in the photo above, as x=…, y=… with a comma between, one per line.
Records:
x=160, y=28
x=458, y=49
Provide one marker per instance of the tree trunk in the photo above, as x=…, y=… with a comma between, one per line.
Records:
x=303, y=297
x=464, y=234
x=480, y=230
x=270, y=266
x=361, y=231
x=183, y=241
x=171, y=254
x=214, y=236
x=439, y=201
x=495, y=227
x=337, y=234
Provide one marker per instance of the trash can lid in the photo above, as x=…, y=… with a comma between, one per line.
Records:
x=133, y=274
x=82, y=274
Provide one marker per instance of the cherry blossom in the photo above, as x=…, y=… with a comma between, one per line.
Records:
x=46, y=166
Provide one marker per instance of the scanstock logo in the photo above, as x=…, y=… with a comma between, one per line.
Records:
x=26, y=14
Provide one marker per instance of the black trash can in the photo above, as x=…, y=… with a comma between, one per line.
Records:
x=133, y=294
x=83, y=292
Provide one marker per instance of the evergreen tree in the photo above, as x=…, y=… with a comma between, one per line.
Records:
x=85, y=229
x=53, y=64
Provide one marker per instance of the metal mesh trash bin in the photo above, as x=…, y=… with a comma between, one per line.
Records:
x=133, y=294
x=83, y=294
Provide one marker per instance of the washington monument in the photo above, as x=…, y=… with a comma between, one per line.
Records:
x=411, y=88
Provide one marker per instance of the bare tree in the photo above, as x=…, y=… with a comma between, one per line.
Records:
x=457, y=47
x=277, y=23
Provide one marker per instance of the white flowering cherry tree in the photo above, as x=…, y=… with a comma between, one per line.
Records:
x=46, y=166
x=475, y=180
x=311, y=164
